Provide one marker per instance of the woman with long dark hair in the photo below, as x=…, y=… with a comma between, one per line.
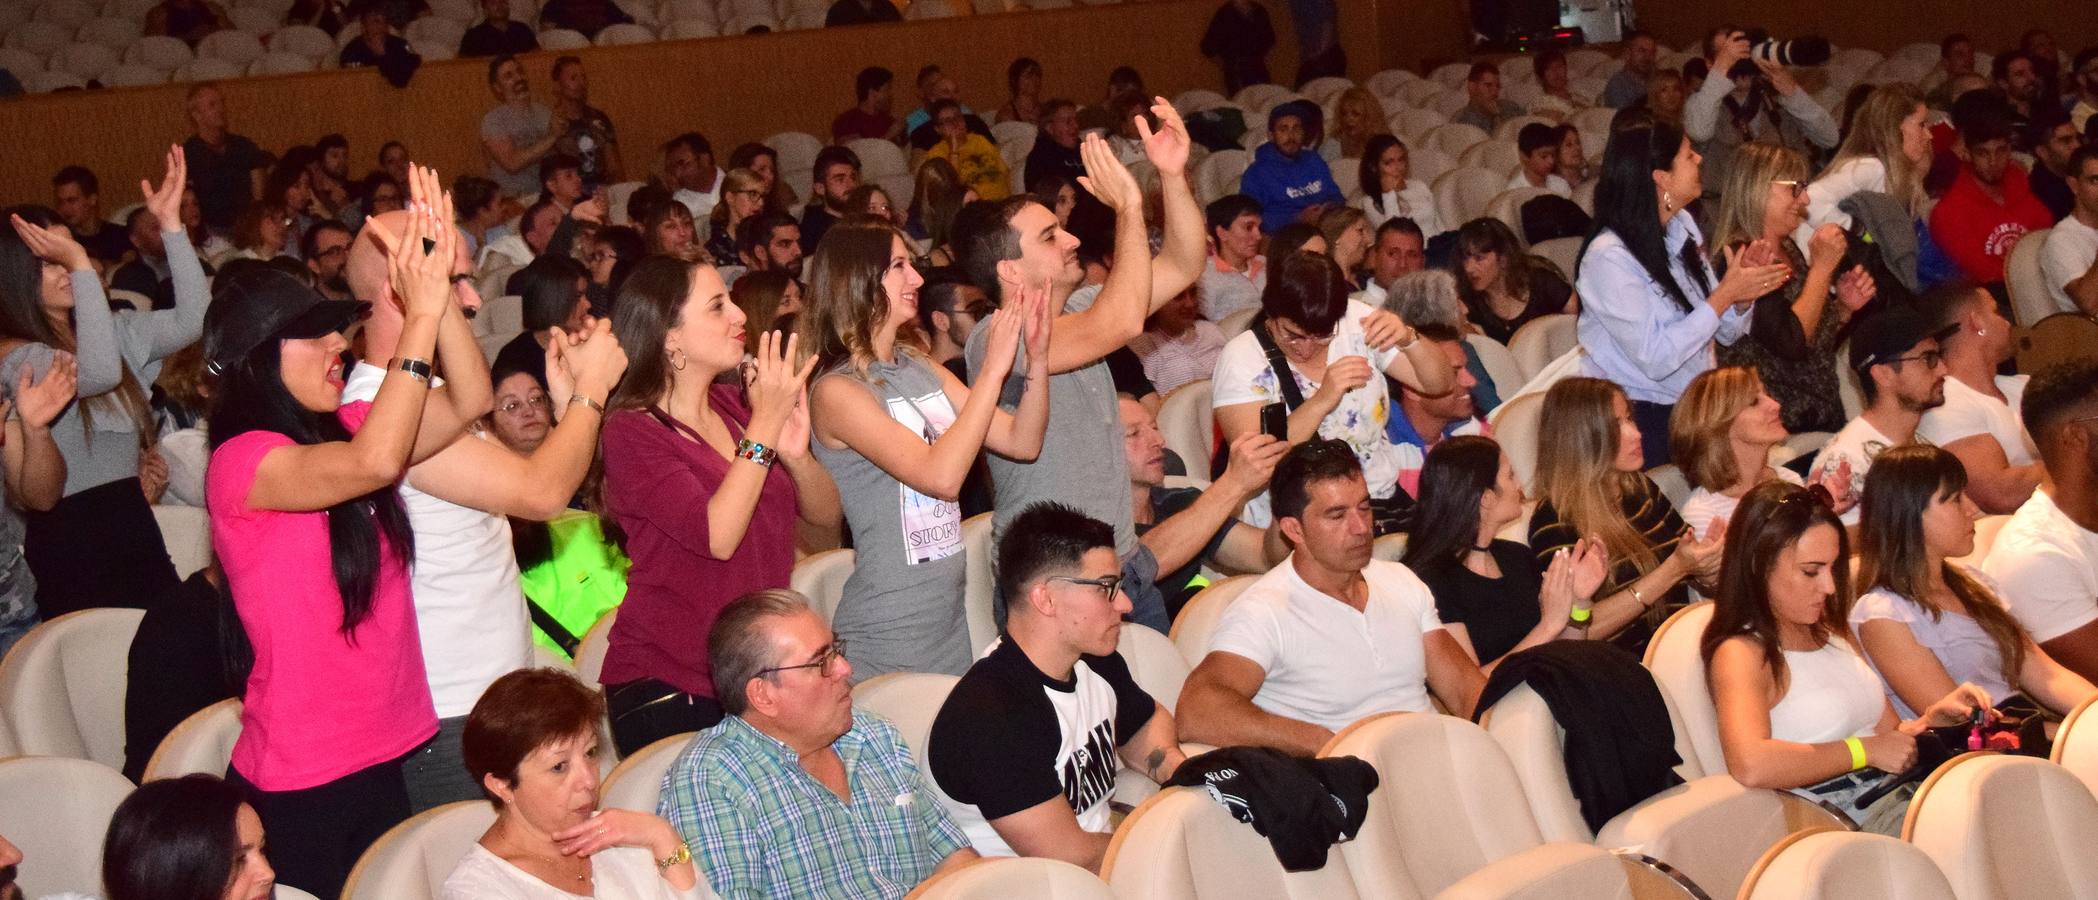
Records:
x=1799, y=709
x=187, y=838
x=1503, y=287
x=705, y=483
x=1926, y=623
x=1489, y=592
x=1654, y=308
x=1389, y=190
x=98, y=546
x=900, y=433
x=310, y=530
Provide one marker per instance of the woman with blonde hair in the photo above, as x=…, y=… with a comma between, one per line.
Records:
x=1589, y=485
x=1723, y=431
x=1347, y=233
x=1887, y=151
x=937, y=197
x=900, y=433
x=742, y=196
x=1357, y=117
x=1794, y=329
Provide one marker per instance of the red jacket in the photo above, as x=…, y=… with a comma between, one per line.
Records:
x=1976, y=231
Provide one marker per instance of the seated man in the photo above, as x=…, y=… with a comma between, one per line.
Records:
x=1029, y=742
x=1978, y=421
x=1236, y=273
x=1423, y=420
x=1287, y=175
x=2046, y=556
x=1328, y=636
x=1990, y=205
x=1185, y=527
x=2070, y=259
x=1539, y=145
x=794, y=794
x=1901, y=375
x=1483, y=104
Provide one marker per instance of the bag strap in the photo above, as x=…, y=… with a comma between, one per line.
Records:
x=1285, y=379
x=553, y=627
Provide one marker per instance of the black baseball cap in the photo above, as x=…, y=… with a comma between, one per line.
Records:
x=255, y=305
x=1890, y=334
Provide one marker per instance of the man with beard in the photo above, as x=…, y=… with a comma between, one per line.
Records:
x=837, y=174
x=1901, y=374
x=771, y=242
x=517, y=132
x=326, y=249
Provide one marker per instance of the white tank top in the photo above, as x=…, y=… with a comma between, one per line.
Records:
x=1832, y=694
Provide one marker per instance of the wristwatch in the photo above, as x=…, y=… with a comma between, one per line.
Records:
x=682, y=856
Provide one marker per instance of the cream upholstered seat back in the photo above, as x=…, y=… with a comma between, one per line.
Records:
x=1845, y=865
x=590, y=653
x=57, y=811
x=1674, y=658
x=1524, y=727
x=1198, y=619
x=1713, y=830
x=1185, y=422
x=2076, y=744
x=910, y=701
x=1154, y=662
x=979, y=583
x=201, y=743
x=62, y=685
x=1010, y=878
x=821, y=578
x=1182, y=845
x=412, y=860
x=2007, y=826
x=1564, y=870
x=637, y=782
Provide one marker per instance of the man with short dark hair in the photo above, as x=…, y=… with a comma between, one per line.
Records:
x=2069, y=260
x=1539, y=145
x=1055, y=149
x=860, y=12
x=518, y=131
x=771, y=241
x=1900, y=372
x=147, y=272
x=2053, y=141
x=795, y=793
x=1628, y=85
x=2046, y=557
x=1400, y=249
x=1186, y=528
x=226, y=169
x=1424, y=420
x=1978, y=422
x=836, y=174
x=873, y=112
x=1990, y=205
x=2085, y=74
x=1330, y=635
x=325, y=248
x=689, y=171
x=1029, y=742
x=1484, y=106
x=2018, y=81
x=497, y=34
x=948, y=309
x=1288, y=176
x=1235, y=272
x=588, y=135
x=77, y=196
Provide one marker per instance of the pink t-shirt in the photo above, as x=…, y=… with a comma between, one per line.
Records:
x=318, y=707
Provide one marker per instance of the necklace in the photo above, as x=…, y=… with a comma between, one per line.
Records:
x=552, y=864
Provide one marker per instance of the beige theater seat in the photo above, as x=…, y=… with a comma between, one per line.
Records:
x=1186, y=420
x=1713, y=830
x=590, y=653
x=1198, y=619
x=1154, y=662
x=2076, y=744
x=62, y=686
x=910, y=701
x=411, y=861
x=201, y=743
x=1523, y=725
x=1673, y=656
x=1181, y=845
x=1007, y=878
x=2007, y=827
x=57, y=811
x=979, y=585
x=637, y=783
x=1845, y=865
x=1556, y=871
x=821, y=578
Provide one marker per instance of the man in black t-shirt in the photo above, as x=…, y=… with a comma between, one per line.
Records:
x=1028, y=744
x=225, y=168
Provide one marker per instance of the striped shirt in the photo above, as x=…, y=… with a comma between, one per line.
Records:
x=761, y=826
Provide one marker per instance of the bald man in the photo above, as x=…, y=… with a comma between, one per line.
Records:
x=468, y=604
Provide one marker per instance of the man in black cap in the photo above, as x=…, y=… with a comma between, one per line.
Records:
x=1900, y=371
x=1287, y=175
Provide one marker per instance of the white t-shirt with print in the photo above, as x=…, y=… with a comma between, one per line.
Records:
x=1968, y=412
x=1858, y=444
x=1704, y=507
x=2047, y=566
x=2070, y=249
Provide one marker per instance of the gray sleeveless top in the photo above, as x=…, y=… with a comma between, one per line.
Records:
x=902, y=609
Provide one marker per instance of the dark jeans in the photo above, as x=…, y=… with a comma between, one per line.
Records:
x=316, y=834
x=99, y=547
x=646, y=711
x=1652, y=419
x=436, y=771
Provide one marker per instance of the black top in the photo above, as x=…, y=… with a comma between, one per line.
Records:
x=178, y=665
x=816, y=220
x=1653, y=516
x=855, y=12
x=486, y=40
x=358, y=53
x=1051, y=158
x=1797, y=368
x=109, y=244
x=1009, y=737
x=221, y=177
x=586, y=16
x=137, y=277
x=1496, y=612
x=2052, y=191
x=1175, y=585
x=1127, y=370
x=1236, y=33
x=1548, y=295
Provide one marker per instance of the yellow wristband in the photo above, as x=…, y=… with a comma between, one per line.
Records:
x=1580, y=615
x=1857, y=752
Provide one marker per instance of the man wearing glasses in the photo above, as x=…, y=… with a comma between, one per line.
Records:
x=794, y=794
x=2046, y=557
x=1028, y=745
x=1900, y=372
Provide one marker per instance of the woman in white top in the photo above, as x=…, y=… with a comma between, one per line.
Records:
x=532, y=743
x=1389, y=189
x=1722, y=432
x=1925, y=623
x=1798, y=708
x=1887, y=151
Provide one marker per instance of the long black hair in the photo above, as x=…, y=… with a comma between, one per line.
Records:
x=1459, y=471
x=250, y=396
x=174, y=839
x=22, y=318
x=1639, y=146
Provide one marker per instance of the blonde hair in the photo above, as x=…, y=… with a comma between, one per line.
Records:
x=1576, y=473
x=1875, y=133
x=1700, y=429
x=1744, y=197
x=1361, y=98
x=736, y=180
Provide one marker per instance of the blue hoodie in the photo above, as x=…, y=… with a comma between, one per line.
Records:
x=1285, y=187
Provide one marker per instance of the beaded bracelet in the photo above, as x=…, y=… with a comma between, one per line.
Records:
x=756, y=452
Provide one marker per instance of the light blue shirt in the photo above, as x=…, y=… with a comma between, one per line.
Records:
x=1634, y=332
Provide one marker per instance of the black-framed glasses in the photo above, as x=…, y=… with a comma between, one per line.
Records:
x=824, y=657
x=1107, y=585
x=1929, y=358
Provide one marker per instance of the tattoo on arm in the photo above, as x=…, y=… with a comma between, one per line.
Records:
x=1153, y=761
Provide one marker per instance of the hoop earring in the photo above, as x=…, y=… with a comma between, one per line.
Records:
x=677, y=360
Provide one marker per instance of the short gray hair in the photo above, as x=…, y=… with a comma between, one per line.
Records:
x=739, y=646
x=1425, y=297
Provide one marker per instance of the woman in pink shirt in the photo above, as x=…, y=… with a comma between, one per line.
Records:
x=314, y=541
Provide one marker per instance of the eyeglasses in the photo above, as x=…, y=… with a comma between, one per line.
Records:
x=332, y=251
x=513, y=405
x=598, y=256
x=1794, y=186
x=824, y=657
x=1107, y=585
x=1301, y=340
x=1929, y=358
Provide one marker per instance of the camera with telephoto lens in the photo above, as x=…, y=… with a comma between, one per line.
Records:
x=1804, y=51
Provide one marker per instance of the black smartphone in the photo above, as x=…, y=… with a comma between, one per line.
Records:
x=1274, y=421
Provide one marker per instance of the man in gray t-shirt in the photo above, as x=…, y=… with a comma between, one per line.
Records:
x=517, y=132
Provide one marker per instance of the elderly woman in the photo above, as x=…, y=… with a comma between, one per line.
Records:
x=532, y=743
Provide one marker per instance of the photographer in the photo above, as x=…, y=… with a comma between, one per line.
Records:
x=1751, y=98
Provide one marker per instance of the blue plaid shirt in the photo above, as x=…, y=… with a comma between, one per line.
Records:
x=761, y=827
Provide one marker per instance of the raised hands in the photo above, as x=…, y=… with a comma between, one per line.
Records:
x=165, y=201
x=776, y=385
x=1751, y=272
x=1780, y=77
x=420, y=260
x=1588, y=563
x=592, y=359
x=1383, y=329
x=1167, y=147
x=1036, y=322
x=1253, y=459
x=1856, y=288
x=1701, y=558
x=1017, y=319
x=1836, y=481
x=1825, y=247
x=53, y=244
x=1106, y=178
x=1343, y=375
x=39, y=403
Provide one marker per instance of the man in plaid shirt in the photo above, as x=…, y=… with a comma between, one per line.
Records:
x=795, y=794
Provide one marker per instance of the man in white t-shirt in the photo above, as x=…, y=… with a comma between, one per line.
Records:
x=1979, y=420
x=1901, y=374
x=2046, y=557
x=2069, y=259
x=1336, y=351
x=469, y=606
x=1539, y=145
x=1330, y=635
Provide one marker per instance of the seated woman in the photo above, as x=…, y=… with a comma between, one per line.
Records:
x=1502, y=285
x=1489, y=592
x=742, y=196
x=1927, y=624
x=1590, y=486
x=532, y=743
x=766, y=298
x=1799, y=709
x=1722, y=432
x=1388, y=189
x=188, y=838
x=1347, y=233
